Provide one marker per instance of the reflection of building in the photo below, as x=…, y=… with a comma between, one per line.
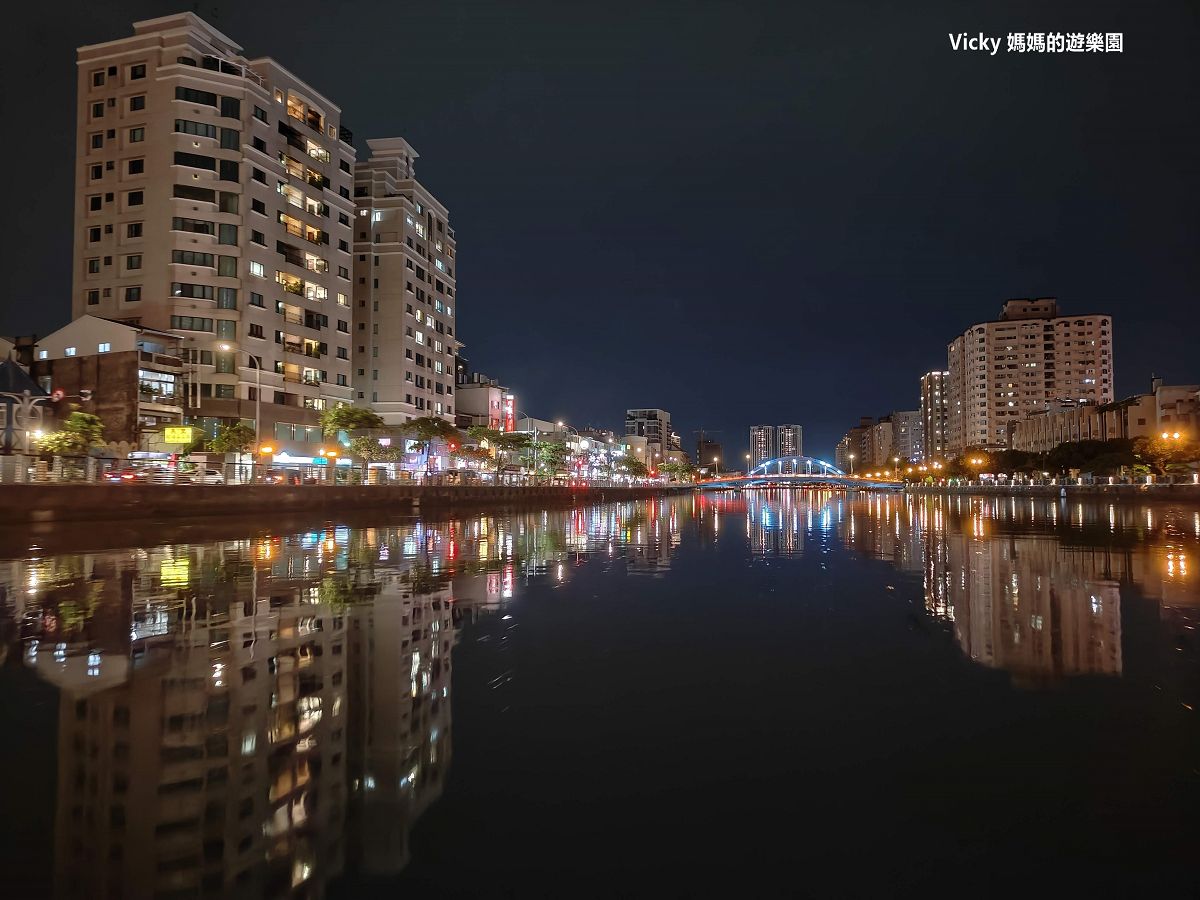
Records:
x=399, y=661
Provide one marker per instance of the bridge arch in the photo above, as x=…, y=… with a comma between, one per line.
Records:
x=794, y=465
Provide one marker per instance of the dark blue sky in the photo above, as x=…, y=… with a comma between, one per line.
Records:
x=738, y=212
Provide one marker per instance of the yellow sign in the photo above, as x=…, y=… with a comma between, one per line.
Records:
x=179, y=434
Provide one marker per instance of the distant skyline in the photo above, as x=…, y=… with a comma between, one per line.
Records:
x=739, y=215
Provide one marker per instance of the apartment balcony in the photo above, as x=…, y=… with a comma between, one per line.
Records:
x=304, y=349
x=300, y=230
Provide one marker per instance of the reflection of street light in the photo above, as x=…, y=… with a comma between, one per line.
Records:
x=257, y=385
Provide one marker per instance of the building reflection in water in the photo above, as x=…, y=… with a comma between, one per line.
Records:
x=253, y=717
x=1029, y=586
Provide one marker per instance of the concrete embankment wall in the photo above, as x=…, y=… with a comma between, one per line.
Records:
x=72, y=502
x=1174, y=493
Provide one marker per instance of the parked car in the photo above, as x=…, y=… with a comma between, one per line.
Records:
x=146, y=475
x=208, y=476
x=284, y=476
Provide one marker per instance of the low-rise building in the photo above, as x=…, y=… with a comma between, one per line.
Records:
x=1167, y=409
x=484, y=401
x=130, y=376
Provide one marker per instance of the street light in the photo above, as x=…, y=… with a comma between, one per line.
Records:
x=895, y=467
x=717, y=465
x=852, y=464
x=257, y=385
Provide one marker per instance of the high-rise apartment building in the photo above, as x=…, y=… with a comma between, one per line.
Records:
x=1005, y=370
x=654, y=425
x=404, y=290
x=907, y=435
x=213, y=200
x=763, y=444
x=790, y=440
x=933, y=415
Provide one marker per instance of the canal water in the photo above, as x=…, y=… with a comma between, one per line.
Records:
x=751, y=694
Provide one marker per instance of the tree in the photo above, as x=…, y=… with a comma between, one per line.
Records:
x=681, y=470
x=370, y=450
x=426, y=429
x=79, y=433
x=348, y=418
x=552, y=455
x=631, y=466
x=473, y=454
x=235, y=438
x=1166, y=456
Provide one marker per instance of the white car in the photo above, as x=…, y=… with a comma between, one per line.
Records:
x=208, y=476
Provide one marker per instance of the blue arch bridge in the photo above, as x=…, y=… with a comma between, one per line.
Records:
x=798, y=471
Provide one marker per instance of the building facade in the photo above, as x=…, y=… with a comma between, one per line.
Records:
x=1005, y=370
x=762, y=444
x=933, y=415
x=790, y=440
x=404, y=290
x=655, y=426
x=213, y=201
x=907, y=435
x=1168, y=409
x=479, y=400
x=129, y=376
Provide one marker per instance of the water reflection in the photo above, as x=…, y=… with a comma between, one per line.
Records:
x=1029, y=586
x=253, y=717
x=256, y=717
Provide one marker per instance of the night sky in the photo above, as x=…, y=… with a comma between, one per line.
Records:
x=738, y=212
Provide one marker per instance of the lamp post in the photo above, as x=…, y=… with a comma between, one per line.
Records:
x=895, y=467
x=851, y=464
x=717, y=465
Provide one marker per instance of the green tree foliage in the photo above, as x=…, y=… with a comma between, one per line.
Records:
x=348, y=418
x=235, y=438
x=552, y=456
x=682, y=471
x=80, y=432
x=630, y=466
x=1166, y=457
x=427, y=429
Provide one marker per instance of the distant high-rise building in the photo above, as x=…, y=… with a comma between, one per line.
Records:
x=790, y=440
x=1010, y=368
x=213, y=200
x=654, y=425
x=907, y=438
x=856, y=451
x=763, y=445
x=707, y=451
x=933, y=415
x=404, y=290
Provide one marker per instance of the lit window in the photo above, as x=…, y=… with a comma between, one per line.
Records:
x=256, y=268
x=104, y=347
x=70, y=351
x=43, y=354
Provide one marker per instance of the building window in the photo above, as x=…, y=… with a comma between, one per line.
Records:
x=257, y=269
x=98, y=78
x=95, y=203
x=256, y=331
x=103, y=347
x=256, y=300
x=133, y=261
x=133, y=294
x=133, y=230
x=134, y=198
x=138, y=71
x=137, y=135
x=137, y=103
x=257, y=237
x=93, y=298
x=260, y=114
x=93, y=265
x=136, y=166
x=70, y=351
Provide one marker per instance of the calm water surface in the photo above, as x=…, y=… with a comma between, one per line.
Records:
x=772, y=693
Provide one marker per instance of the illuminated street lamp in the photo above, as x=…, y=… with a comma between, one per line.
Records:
x=851, y=463
x=228, y=348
